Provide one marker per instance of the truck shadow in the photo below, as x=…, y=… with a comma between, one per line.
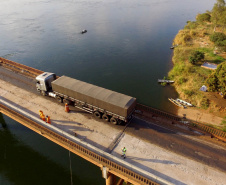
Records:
x=152, y=160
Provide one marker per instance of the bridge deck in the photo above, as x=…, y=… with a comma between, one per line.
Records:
x=142, y=154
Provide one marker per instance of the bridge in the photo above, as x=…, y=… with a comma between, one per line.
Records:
x=111, y=165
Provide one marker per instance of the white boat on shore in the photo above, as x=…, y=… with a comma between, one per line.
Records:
x=176, y=103
x=184, y=102
x=165, y=81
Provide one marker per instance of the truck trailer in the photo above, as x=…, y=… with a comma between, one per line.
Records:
x=103, y=103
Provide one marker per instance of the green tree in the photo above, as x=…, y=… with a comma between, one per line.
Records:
x=217, y=36
x=218, y=14
x=205, y=17
x=196, y=56
x=216, y=82
x=219, y=39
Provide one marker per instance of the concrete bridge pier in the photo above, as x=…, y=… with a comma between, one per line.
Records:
x=109, y=177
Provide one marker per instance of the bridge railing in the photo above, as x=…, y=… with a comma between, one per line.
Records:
x=157, y=112
x=189, y=123
x=213, y=131
x=28, y=71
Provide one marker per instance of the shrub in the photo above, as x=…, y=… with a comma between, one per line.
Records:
x=193, y=33
x=212, y=83
x=205, y=17
x=181, y=80
x=221, y=44
x=205, y=103
x=217, y=36
x=191, y=25
x=196, y=56
x=177, y=70
x=188, y=92
x=223, y=120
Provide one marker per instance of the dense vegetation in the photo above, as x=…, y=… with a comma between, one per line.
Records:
x=217, y=80
x=199, y=41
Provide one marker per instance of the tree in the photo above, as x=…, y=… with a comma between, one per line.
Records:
x=216, y=82
x=217, y=36
x=218, y=14
x=219, y=39
x=205, y=17
x=196, y=56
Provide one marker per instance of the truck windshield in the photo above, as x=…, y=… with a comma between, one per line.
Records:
x=48, y=86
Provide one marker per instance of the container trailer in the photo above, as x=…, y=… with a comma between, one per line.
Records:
x=103, y=103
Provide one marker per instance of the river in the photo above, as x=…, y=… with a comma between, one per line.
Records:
x=126, y=49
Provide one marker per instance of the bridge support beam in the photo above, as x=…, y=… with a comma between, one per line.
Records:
x=109, y=177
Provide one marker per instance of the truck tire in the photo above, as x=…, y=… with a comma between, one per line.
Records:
x=114, y=121
x=66, y=101
x=59, y=99
x=97, y=114
x=105, y=117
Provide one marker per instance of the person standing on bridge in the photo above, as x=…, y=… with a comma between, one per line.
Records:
x=123, y=152
x=40, y=114
x=48, y=119
x=67, y=108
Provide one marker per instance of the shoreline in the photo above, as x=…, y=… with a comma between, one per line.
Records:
x=210, y=107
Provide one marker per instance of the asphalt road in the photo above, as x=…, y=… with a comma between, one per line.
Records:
x=181, y=143
x=171, y=138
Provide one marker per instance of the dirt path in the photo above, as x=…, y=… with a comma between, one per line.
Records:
x=205, y=116
x=200, y=116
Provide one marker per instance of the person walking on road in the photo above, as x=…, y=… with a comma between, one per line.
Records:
x=123, y=152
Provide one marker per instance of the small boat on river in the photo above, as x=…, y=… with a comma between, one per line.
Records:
x=165, y=81
x=83, y=31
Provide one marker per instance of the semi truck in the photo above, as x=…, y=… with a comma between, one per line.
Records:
x=109, y=105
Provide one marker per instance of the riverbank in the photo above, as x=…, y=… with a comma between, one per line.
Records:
x=190, y=77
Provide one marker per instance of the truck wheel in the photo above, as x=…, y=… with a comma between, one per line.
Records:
x=97, y=114
x=120, y=122
x=43, y=93
x=114, y=121
x=66, y=101
x=59, y=99
x=105, y=117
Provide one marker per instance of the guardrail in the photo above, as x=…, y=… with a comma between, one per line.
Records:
x=157, y=112
x=221, y=135
x=115, y=168
x=28, y=71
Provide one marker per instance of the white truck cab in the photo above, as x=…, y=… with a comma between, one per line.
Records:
x=43, y=82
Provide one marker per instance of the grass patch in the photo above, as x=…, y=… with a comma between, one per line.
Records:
x=223, y=123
